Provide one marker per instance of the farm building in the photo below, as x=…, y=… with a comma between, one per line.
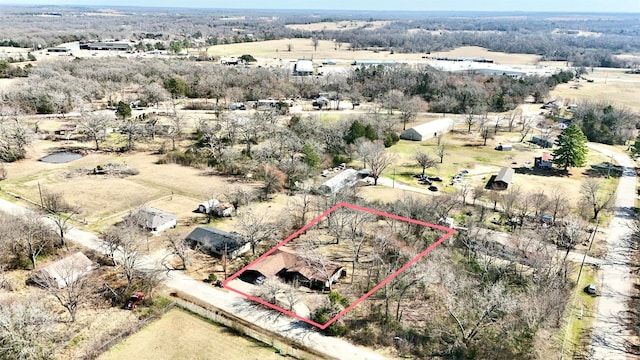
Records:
x=541, y=142
x=59, y=50
x=544, y=162
x=153, y=219
x=215, y=242
x=303, y=68
x=216, y=207
x=504, y=179
x=346, y=178
x=290, y=266
x=428, y=130
x=65, y=271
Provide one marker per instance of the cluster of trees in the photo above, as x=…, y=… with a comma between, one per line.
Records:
x=605, y=123
x=482, y=300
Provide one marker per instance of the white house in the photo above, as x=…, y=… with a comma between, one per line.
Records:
x=303, y=68
x=64, y=272
x=154, y=220
x=346, y=178
x=428, y=130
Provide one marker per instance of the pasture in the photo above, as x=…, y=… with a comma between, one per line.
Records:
x=181, y=335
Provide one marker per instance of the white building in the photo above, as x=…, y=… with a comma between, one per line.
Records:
x=303, y=68
x=347, y=178
x=428, y=130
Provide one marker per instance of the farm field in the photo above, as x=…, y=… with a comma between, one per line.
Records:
x=198, y=339
x=303, y=49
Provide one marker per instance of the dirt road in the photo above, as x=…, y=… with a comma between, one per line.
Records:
x=609, y=334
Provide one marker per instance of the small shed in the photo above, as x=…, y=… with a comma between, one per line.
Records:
x=346, y=178
x=428, y=130
x=504, y=147
x=504, y=179
x=215, y=242
x=544, y=162
x=154, y=220
x=65, y=271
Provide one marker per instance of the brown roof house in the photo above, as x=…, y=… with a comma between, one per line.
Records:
x=291, y=266
x=504, y=179
x=64, y=272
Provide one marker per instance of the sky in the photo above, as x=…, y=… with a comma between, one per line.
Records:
x=622, y=6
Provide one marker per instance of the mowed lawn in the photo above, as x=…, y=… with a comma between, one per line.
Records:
x=181, y=335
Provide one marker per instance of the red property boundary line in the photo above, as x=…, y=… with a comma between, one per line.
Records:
x=448, y=233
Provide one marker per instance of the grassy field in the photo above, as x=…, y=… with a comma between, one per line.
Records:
x=160, y=340
x=580, y=313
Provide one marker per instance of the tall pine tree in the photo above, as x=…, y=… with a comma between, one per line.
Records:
x=572, y=149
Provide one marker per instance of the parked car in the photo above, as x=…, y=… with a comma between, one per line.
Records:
x=260, y=280
x=134, y=300
x=434, y=178
x=590, y=289
x=433, y=188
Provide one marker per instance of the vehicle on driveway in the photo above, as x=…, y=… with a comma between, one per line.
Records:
x=260, y=280
x=433, y=188
x=134, y=300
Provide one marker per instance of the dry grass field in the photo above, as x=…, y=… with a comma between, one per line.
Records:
x=276, y=50
x=339, y=25
x=198, y=339
x=610, y=85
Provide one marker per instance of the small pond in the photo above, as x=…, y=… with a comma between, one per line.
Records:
x=61, y=157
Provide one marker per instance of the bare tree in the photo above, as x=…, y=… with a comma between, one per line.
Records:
x=34, y=238
x=95, y=126
x=69, y=289
x=178, y=124
x=254, y=228
x=315, y=42
x=477, y=192
x=60, y=212
x=527, y=123
x=177, y=246
x=592, y=196
x=425, y=161
x=440, y=151
x=375, y=155
x=26, y=330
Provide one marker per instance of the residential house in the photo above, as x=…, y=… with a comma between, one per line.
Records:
x=344, y=179
x=152, y=219
x=428, y=130
x=290, y=266
x=544, y=162
x=504, y=179
x=217, y=242
x=65, y=271
x=303, y=68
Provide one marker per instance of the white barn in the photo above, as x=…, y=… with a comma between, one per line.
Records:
x=428, y=130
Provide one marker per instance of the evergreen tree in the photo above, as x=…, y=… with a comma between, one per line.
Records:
x=572, y=149
x=123, y=110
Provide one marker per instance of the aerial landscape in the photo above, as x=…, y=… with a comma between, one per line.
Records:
x=335, y=180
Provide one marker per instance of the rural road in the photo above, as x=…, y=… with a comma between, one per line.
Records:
x=610, y=335
x=228, y=301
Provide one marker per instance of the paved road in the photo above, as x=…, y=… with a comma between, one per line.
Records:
x=609, y=333
x=284, y=325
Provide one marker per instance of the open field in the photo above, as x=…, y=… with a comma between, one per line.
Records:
x=610, y=85
x=303, y=49
x=197, y=339
x=339, y=25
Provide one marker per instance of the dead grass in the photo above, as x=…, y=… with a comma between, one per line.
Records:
x=275, y=52
x=201, y=340
x=610, y=85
